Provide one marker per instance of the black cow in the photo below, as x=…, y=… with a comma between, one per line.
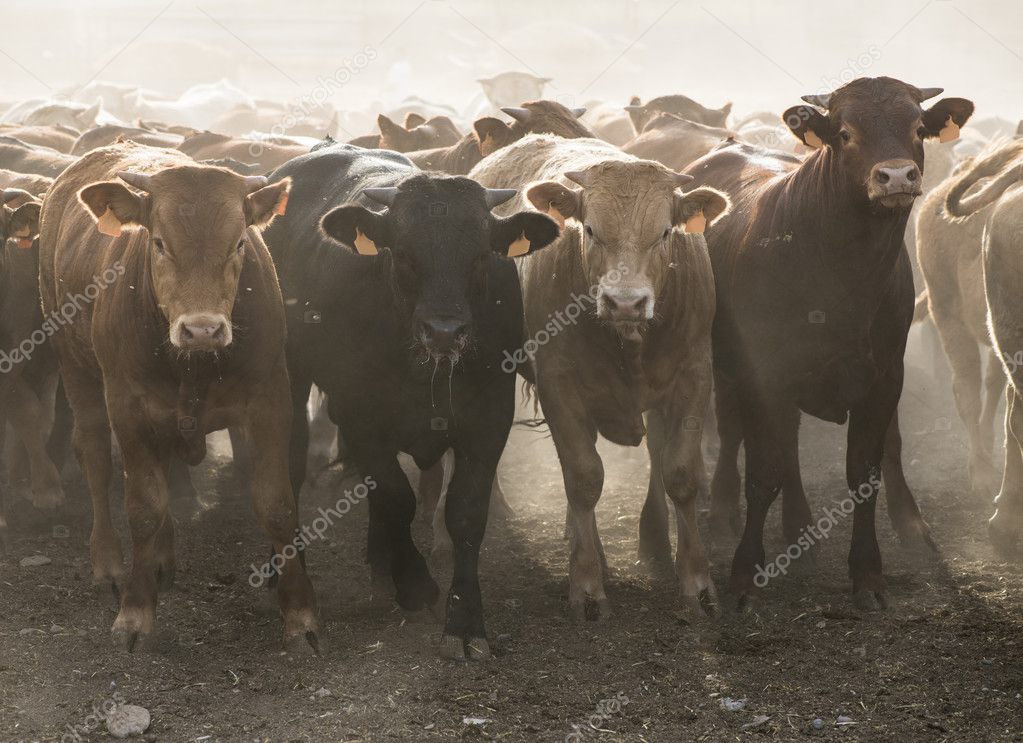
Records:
x=814, y=302
x=402, y=315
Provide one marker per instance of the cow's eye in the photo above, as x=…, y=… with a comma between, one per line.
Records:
x=589, y=231
x=921, y=132
x=666, y=233
x=241, y=246
x=158, y=245
x=845, y=135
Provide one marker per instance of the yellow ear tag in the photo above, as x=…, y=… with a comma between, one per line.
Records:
x=109, y=224
x=487, y=145
x=949, y=132
x=557, y=216
x=519, y=247
x=282, y=205
x=812, y=140
x=696, y=223
x=364, y=245
x=24, y=241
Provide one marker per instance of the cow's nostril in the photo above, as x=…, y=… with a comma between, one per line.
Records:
x=186, y=333
x=883, y=177
x=640, y=305
x=912, y=175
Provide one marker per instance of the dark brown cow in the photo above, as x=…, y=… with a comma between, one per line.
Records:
x=182, y=333
x=490, y=134
x=674, y=141
x=679, y=105
x=814, y=301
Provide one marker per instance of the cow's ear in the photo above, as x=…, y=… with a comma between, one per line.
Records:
x=412, y=120
x=555, y=200
x=491, y=134
x=113, y=205
x=812, y=127
x=699, y=208
x=946, y=117
x=15, y=197
x=263, y=204
x=24, y=223
x=364, y=231
x=391, y=134
x=522, y=233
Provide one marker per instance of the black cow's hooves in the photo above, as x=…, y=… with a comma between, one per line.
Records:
x=453, y=647
x=303, y=643
x=866, y=600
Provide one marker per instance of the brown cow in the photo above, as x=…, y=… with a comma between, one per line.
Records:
x=417, y=134
x=268, y=154
x=490, y=134
x=101, y=136
x=182, y=333
x=619, y=315
x=674, y=141
x=59, y=138
x=32, y=159
x=36, y=185
x=814, y=302
x=679, y=105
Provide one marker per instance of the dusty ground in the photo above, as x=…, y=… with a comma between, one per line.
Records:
x=944, y=663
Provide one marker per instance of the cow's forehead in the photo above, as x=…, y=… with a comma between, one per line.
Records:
x=880, y=96
x=625, y=190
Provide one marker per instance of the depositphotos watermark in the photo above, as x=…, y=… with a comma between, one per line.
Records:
x=92, y=721
x=58, y=318
x=814, y=533
x=605, y=709
x=557, y=322
x=308, y=534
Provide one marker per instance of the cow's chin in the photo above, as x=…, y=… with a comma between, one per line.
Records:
x=629, y=330
x=897, y=200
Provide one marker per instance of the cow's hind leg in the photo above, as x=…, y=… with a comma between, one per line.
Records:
x=465, y=513
x=725, y=520
x=994, y=387
x=31, y=420
x=903, y=511
x=1005, y=528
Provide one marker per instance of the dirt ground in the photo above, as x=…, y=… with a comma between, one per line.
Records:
x=943, y=663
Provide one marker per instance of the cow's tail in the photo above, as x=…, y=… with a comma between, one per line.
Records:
x=922, y=308
x=994, y=165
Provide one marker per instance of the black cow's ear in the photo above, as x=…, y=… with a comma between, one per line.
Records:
x=357, y=227
x=522, y=233
x=263, y=204
x=555, y=200
x=946, y=117
x=699, y=207
x=113, y=205
x=24, y=223
x=812, y=127
x=491, y=134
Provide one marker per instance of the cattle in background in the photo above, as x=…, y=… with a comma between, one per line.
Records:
x=999, y=204
x=490, y=134
x=640, y=345
x=675, y=142
x=815, y=299
x=101, y=136
x=31, y=159
x=28, y=370
x=48, y=112
x=417, y=133
x=511, y=88
x=401, y=308
x=267, y=154
x=949, y=249
x=679, y=105
x=611, y=123
x=59, y=138
x=184, y=335
x=36, y=185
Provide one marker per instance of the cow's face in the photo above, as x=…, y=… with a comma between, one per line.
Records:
x=198, y=221
x=627, y=213
x=532, y=117
x=876, y=128
x=441, y=236
x=417, y=134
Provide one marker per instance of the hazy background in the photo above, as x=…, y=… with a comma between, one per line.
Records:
x=762, y=55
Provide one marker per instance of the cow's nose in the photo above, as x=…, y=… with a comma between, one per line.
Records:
x=443, y=335
x=203, y=332
x=896, y=177
x=628, y=304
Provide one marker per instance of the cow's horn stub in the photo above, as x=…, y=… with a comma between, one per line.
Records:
x=579, y=176
x=519, y=114
x=497, y=196
x=383, y=196
x=577, y=112
x=822, y=100
x=682, y=179
x=138, y=180
x=926, y=93
x=256, y=182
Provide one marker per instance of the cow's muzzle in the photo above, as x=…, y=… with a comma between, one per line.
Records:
x=443, y=337
x=201, y=332
x=894, y=183
x=628, y=309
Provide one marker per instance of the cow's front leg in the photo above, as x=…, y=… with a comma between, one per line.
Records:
x=654, y=540
x=269, y=427
x=903, y=511
x=465, y=515
x=575, y=438
x=152, y=532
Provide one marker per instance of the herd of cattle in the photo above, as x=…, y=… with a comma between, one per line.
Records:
x=175, y=267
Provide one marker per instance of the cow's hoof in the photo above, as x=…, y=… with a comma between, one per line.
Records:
x=127, y=639
x=131, y=629
x=702, y=605
x=743, y=603
x=478, y=648
x=867, y=600
x=303, y=643
x=453, y=647
x=589, y=609
x=916, y=537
